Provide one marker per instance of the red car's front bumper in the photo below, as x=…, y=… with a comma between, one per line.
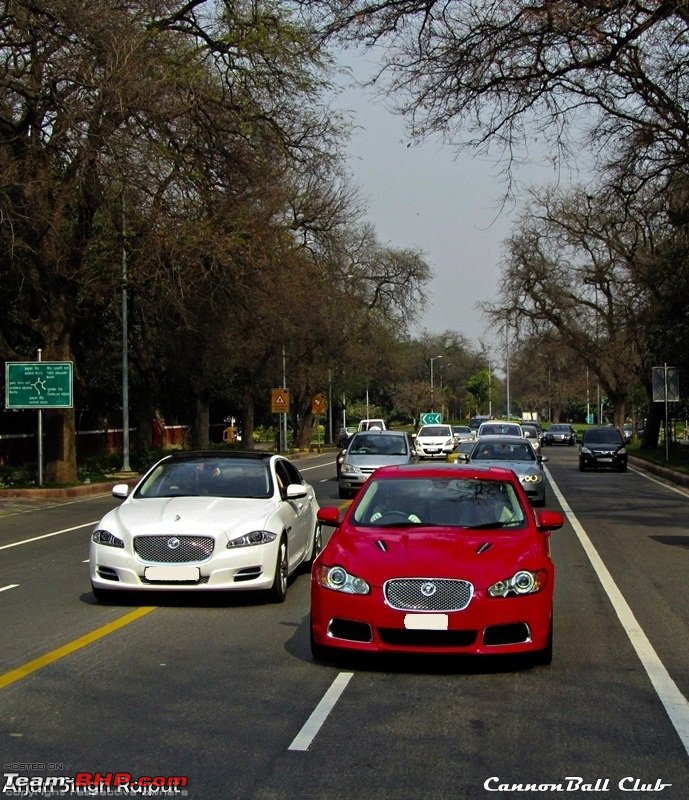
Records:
x=488, y=626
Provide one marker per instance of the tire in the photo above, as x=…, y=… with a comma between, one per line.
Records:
x=319, y=652
x=623, y=468
x=544, y=658
x=582, y=468
x=278, y=591
x=316, y=544
x=343, y=494
x=104, y=595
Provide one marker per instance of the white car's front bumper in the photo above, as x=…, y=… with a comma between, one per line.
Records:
x=241, y=569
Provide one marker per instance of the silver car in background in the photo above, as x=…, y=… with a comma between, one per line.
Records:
x=369, y=450
x=515, y=453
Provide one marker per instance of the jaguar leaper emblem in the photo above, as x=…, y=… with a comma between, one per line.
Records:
x=173, y=543
x=428, y=589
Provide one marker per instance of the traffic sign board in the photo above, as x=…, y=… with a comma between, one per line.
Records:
x=38, y=384
x=319, y=404
x=430, y=418
x=279, y=401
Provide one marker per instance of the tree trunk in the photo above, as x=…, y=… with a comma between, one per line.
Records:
x=200, y=436
x=60, y=445
x=60, y=433
x=248, y=417
x=656, y=415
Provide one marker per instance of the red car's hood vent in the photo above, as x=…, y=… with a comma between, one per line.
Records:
x=441, y=555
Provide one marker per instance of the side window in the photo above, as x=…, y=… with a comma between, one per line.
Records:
x=293, y=473
x=283, y=477
x=287, y=473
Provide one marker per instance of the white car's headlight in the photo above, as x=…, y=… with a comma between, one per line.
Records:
x=338, y=579
x=522, y=582
x=534, y=478
x=252, y=538
x=102, y=536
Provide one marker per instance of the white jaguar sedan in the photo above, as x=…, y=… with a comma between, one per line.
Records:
x=207, y=521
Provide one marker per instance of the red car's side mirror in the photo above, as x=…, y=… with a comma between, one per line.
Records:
x=547, y=520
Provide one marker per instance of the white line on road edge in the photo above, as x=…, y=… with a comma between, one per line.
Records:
x=313, y=724
x=47, y=535
x=9, y=586
x=673, y=700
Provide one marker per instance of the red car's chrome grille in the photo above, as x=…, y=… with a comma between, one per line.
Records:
x=428, y=594
x=174, y=549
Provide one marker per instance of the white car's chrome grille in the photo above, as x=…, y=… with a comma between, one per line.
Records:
x=174, y=549
x=428, y=594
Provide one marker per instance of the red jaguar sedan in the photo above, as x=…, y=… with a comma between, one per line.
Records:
x=443, y=559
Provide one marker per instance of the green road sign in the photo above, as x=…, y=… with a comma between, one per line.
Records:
x=38, y=384
x=431, y=418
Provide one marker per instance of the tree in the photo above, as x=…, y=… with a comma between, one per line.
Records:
x=163, y=116
x=505, y=73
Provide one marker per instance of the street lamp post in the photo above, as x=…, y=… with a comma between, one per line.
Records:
x=125, y=350
x=433, y=358
x=490, y=389
x=507, y=367
x=442, y=394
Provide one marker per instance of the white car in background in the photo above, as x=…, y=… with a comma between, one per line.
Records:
x=207, y=521
x=434, y=441
x=496, y=427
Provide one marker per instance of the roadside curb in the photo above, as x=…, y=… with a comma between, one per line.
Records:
x=670, y=475
x=86, y=489
x=68, y=491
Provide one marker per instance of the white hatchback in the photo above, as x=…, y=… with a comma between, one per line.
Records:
x=434, y=441
x=207, y=521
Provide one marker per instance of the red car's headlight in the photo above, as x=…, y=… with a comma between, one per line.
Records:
x=338, y=579
x=522, y=582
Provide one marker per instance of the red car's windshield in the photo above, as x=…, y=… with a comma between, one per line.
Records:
x=455, y=502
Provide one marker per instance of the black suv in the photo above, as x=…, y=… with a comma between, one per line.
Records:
x=603, y=447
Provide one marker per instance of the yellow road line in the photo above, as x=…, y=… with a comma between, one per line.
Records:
x=17, y=674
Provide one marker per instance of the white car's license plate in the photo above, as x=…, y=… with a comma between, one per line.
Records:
x=172, y=573
x=426, y=622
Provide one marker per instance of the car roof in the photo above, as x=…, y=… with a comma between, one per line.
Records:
x=507, y=439
x=435, y=425
x=448, y=471
x=380, y=432
x=216, y=455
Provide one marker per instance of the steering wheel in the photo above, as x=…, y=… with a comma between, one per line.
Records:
x=394, y=513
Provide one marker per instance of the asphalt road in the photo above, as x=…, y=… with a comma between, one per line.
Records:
x=224, y=692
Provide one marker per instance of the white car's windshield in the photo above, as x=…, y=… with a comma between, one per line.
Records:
x=210, y=477
x=435, y=430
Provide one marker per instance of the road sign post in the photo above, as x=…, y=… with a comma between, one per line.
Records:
x=665, y=381
x=38, y=385
x=431, y=418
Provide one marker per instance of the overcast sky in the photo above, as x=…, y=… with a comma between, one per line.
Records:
x=430, y=199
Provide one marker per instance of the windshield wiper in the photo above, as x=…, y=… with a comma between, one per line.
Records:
x=496, y=524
